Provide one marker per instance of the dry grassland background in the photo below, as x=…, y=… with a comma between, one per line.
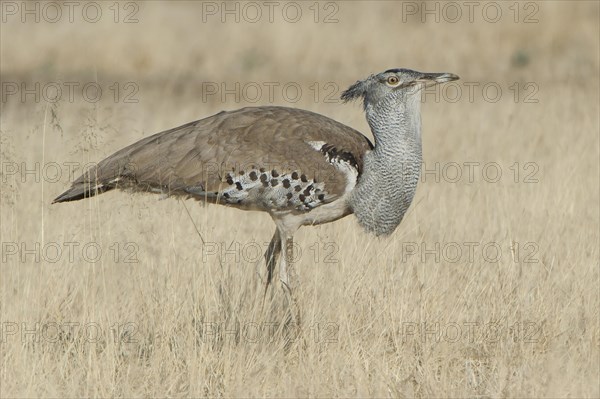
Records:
x=489, y=287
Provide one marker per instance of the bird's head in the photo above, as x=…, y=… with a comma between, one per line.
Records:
x=395, y=85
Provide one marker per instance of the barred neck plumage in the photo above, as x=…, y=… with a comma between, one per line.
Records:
x=391, y=171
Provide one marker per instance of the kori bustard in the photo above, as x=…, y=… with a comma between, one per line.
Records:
x=300, y=167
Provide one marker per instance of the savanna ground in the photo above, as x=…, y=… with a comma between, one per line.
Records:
x=489, y=287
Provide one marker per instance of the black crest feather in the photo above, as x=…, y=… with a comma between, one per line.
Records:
x=357, y=91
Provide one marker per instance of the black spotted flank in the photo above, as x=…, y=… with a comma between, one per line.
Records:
x=302, y=197
x=308, y=189
x=304, y=179
x=336, y=155
x=295, y=175
x=286, y=183
x=263, y=177
x=274, y=182
x=274, y=173
x=289, y=195
x=265, y=183
x=253, y=176
x=321, y=197
x=238, y=185
x=229, y=180
x=297, y=188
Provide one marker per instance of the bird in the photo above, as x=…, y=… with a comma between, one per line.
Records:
x=300, y=167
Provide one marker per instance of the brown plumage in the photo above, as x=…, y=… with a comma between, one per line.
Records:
x=300, y=167
x=201, y=159
x=296, y=165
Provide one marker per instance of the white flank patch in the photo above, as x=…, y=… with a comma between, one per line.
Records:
x=343, y=166
x=317, y=145
x=349, y=171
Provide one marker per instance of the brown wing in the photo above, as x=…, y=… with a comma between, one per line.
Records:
x=252, y=157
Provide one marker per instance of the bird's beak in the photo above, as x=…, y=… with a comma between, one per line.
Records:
x=436, y=78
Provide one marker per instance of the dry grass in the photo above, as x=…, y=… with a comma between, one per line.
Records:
x=182, y=321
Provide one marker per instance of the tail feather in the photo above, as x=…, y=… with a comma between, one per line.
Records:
x=80, y=191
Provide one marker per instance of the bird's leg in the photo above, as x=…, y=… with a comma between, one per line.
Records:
x=288, y=279
x=286, y=267
x=273, y=252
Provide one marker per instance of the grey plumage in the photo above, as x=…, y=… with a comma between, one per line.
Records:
x=388, y=184
x=300, y=167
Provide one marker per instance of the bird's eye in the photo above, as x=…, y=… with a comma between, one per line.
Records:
x=393, y=80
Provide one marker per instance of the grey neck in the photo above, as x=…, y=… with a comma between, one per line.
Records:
x=391, y=171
